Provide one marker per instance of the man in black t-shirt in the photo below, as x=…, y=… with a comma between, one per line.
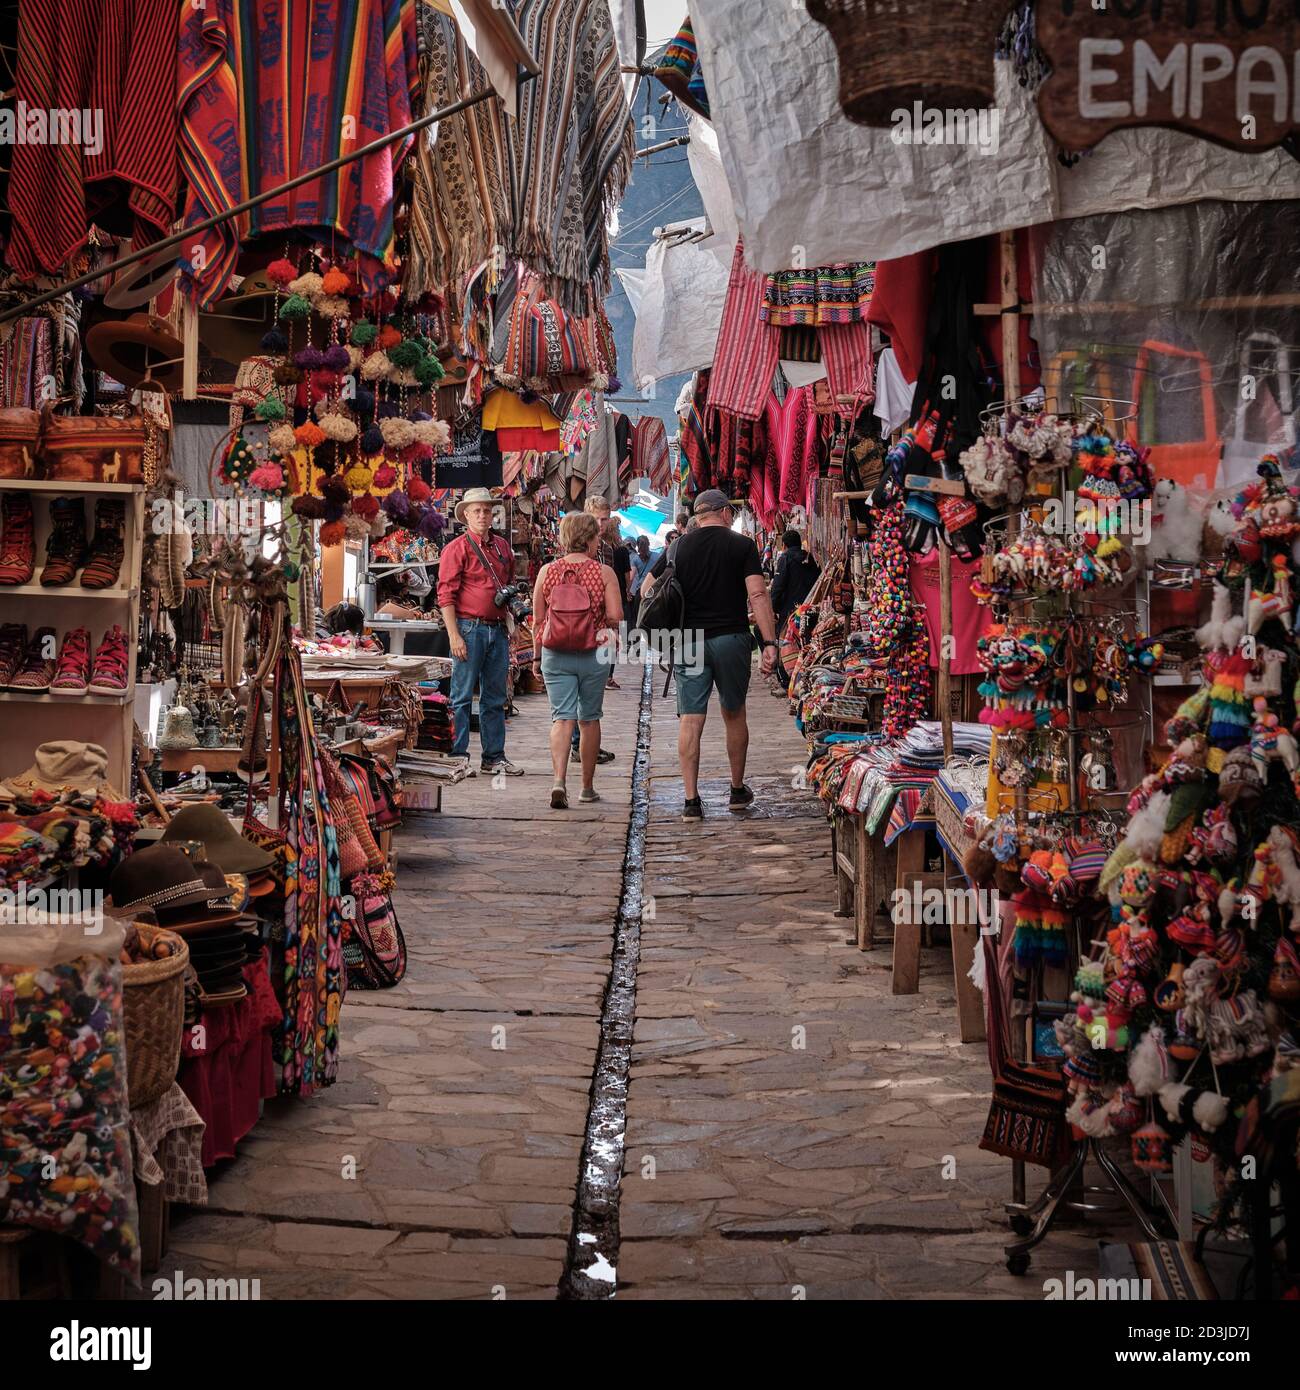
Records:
x=721, y=579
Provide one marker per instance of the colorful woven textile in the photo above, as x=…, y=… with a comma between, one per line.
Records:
x=314, y=980
x=745, y=359
x=270, y=89
x=826, y=294
x=568, y=155
x=650, y=458
x=116, y=58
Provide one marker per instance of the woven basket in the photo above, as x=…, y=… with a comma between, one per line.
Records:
x=153, y=1007
x=896, y=52
x=852, y=702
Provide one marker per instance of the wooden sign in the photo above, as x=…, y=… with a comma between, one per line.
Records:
x=947, y=487
x=1225, y=70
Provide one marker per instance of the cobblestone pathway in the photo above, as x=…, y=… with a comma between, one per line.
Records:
x=788, y=1118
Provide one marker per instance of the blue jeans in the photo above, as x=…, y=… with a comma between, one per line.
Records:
x=487, y=663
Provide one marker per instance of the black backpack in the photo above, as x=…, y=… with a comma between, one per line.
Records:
x=663, y=614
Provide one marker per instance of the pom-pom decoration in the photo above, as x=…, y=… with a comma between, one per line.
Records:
x=281, y=272
x=272, y=408
x=310, y=435
x=283, y=439
x=372, y=440
x=336, y=358
x=332, y=533
x=334, y=281
x=363, y=333
x=308, y=285
x=366, y=505
x=376, y=367
x=274, y=343
x=295, y=307
x=338, y=427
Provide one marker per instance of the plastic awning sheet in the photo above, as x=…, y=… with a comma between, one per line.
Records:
x=682, y=296
x=812, y=188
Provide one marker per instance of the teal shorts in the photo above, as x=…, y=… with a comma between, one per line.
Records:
x=726, y=663
x=575, y=683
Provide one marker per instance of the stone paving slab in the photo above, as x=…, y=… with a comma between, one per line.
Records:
x=794, y=1130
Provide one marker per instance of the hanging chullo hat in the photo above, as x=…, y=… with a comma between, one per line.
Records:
x=896, y=52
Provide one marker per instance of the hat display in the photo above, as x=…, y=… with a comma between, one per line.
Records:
x=160, y=876
x=128, y=348
x=473, y=494
x=67, y=764
x=212, y=910
x=225, y=846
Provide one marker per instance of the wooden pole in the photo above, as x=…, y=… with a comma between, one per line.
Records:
x=945, y=648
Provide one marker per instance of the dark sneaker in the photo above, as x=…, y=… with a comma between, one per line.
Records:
x=501, y=765
x=692, y=810
x=604, y=756
x=559, y=798
x=740, y=798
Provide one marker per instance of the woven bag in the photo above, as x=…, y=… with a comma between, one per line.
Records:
x=92, y=448
x=20, y=433
x=153, y=1009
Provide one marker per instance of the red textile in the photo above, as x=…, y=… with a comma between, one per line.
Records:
x=748, y=350
x=970, y=618
x=650, y=458
x=463, y=582
x=846, y=351
x=118, y=58
x=900, y=306
x=229, y=1076
x=792, y=429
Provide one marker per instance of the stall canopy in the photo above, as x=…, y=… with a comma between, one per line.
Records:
x=812, y=188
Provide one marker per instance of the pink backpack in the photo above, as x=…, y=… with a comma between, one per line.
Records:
x=571, y=621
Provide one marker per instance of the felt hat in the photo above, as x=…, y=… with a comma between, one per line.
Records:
x=161, y=876
x=225, y=846
x=126, y=349
x=203, y=914
x=473, y=494
x=143, y=281
x=236, y=324
x=67, y=764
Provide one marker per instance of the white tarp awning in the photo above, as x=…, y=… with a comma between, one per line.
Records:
x=812, y=188
x=684, y=289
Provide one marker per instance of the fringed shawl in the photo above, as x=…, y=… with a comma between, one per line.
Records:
x=540, y=187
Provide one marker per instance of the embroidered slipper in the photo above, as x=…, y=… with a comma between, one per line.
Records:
x=13, y=643
x=65, y=550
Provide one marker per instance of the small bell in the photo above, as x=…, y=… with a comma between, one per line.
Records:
x=178, y=732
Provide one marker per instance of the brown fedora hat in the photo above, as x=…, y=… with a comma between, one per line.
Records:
x=160, y=876
x=204, y=914
x=126, y=348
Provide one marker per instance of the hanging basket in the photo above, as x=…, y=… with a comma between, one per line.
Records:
x=896, y=52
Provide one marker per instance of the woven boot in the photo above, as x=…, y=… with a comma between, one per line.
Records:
x=107, y=545
x=17, y=539
x=65, y=551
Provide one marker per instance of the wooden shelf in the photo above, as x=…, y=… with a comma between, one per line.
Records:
x=64, y=591
x=60, y=485
x=17, y=697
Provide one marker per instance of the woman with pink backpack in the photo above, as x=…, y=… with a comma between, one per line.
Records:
x=577, y=608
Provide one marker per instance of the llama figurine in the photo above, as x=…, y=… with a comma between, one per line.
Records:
x=1269, y=742
x=1263, y=604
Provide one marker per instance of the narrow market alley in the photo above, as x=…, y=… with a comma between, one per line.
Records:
x=792, y=1129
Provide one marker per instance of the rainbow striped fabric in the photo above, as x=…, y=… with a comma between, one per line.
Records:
x=269, y=89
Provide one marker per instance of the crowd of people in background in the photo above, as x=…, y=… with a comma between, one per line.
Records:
x=580, y=602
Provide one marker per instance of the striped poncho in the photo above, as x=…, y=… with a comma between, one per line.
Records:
x=272, y=88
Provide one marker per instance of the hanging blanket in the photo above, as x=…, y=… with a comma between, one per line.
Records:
x=568, y=156
x=650, y=457
x=117, y=60
x=272, y=88
x=460, y=215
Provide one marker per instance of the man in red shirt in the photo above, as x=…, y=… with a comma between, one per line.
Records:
x=468, y=580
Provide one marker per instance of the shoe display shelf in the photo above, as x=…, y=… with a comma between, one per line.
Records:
x=32, y=719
